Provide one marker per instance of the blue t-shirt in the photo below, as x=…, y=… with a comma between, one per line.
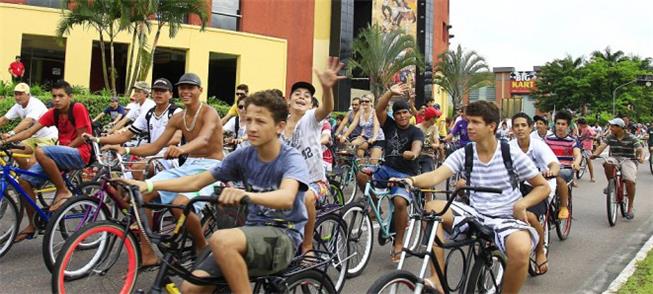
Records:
x=115, y=113
x=244, y=165
x=461, y=129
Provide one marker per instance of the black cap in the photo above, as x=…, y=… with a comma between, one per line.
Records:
x=305, y=85
x=400, y=105
x=162, y=84
x=189, y=78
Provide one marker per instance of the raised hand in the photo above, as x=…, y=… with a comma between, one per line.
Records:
x=329, y=77
x=399, y=89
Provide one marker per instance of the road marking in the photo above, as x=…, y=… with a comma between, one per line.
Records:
x=630, y=268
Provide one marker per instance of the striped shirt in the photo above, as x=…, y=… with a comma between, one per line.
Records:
x=624, y=147
x=563, y=148
x=494, y=174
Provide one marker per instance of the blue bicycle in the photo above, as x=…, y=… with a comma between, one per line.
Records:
x=11, y=212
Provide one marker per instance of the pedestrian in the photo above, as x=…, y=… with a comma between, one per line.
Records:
x=16, y=70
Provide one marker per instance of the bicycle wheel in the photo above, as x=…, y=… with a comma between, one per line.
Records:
x=331, y=236
x=399, y=281
x=73, y=215
x=335, y=195
x=9, y=223
x=416, y=233
x=111, y=267
x=349, y=187
x=583, y=168
x=611, y=202
x=360, y=236
x=623, y=205
x=563, y=226
x=487, y=274
x=309, y=281
x=650, y=162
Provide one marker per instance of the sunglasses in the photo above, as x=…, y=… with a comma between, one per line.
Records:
x=241, y=106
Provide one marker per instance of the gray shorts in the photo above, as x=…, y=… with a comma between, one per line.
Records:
x=269, y=250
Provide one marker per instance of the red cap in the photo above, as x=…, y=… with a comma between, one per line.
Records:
x=431, y=112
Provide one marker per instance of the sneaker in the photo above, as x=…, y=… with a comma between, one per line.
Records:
x=629, y=215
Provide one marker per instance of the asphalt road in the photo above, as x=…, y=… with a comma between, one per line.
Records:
x=587, y=262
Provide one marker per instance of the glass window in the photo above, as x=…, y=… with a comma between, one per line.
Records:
x=45, y=3
x=225, y=14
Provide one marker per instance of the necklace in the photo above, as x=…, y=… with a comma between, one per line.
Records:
x=158, y=116
x=192, y=124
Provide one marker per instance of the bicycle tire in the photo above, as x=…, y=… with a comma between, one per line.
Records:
x=310, y=277
x=8, y=207
x=650, y=162
x=398, y=277
x=416, y=234
x=478, y=277
x=349, y=183
x=50, y=247
x=359, y=228
x=563, y=226
x=60, y=276
x=611, y=202
x=583, y=168
x=623, y=205
x=333, y=238
x=335, y=195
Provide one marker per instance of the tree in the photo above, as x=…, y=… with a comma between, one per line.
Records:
x=559, y=85
x=458, y=72
x=609, y=56
x=134, y=16
x=380, y=55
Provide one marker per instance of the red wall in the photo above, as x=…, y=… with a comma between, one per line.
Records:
x=440, y=33
x=287, y=19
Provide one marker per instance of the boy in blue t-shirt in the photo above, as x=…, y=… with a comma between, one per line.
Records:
x=278, y=176
x=114, y=110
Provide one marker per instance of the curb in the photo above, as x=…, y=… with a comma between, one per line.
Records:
x=630, y=268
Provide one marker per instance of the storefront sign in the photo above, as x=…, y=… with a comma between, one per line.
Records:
x=522, y=82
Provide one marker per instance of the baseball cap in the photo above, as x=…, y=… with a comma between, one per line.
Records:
x=142, y=85
x=617, y=122
x=22, y=87
x=400, y=105
x=189, y=78
x=162, y=84
x=306, y=85
x=431, y=112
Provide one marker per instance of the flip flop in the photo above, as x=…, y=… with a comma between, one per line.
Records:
x=149, y=268
x=22, y=236
x=58, y=202
x=539, y=271
x=395, y=256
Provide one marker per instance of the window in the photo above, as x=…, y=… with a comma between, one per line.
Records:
x=225, y=14
x=45, y=3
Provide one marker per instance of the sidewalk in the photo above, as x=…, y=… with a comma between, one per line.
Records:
x=637, y=277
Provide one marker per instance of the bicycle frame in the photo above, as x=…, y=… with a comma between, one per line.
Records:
x=7, y=179
x=376, y=205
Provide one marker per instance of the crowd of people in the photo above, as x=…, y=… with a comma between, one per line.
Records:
x=283, y=150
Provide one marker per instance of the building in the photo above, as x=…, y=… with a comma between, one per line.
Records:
x=511, y=91
x=263, y=43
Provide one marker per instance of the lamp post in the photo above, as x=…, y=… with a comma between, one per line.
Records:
x=614, y=94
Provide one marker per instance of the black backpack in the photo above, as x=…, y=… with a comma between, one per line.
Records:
x=150, y=113
x=71, y=119
x=507, y=162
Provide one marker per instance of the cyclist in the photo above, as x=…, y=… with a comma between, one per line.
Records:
x=505, y=213
x=151, y=124
x=236, y=125
x=72, y=153
x=567, y=149
x=325, y=139
x=547, y=163
x=431, y=139
x=460, y=129
x=346, y=123
x=142, y=103
x=586, y=139
x=114, y=110
x=403, y=146
x=276, y=215
x=624, y=150
x=303, y=131
x=29, y=109
x=541, y=128
x=241, y=93
x=200, y=126
x=371, y=136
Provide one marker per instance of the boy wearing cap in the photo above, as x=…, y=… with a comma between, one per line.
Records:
x=625, y=150
x=142, y=103
x=403, y=146
x=431, y=139
x=114, y=110
x=200, y=126
x=303, y=131
x=29, y=109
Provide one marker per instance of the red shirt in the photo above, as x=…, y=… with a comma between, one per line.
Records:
x=327, y=155
x=67, y=132
x=17, y=68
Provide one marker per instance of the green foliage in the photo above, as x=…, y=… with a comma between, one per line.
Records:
x=642, y=279
x=7, y=88
x=459, y=72
x=381, y=55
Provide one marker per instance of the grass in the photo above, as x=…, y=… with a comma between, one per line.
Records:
x=642, y=280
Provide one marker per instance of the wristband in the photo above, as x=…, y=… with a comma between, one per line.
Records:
x=97, y=140
x=11, y=133
x=150, y=186
x=127, y=151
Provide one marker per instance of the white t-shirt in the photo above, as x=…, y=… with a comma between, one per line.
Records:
x=230, y=126
x=494, y=174
x=156, y=124
x=540, y=153
x=536, y=137
x=136, y=109
x=34, y=110
x=306, y=139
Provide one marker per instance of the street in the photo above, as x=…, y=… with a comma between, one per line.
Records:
x=587, y=262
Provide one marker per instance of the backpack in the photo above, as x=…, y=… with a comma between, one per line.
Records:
x=71, y=119
x=171, y=112
x=507, y=162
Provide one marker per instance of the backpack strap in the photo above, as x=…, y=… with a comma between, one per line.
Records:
x=71, y=118
x=507, y=162
x=148, y=116
x=469, y=162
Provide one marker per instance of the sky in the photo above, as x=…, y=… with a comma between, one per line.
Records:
x=526, y=33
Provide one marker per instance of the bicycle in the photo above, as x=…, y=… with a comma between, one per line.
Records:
x=615, y=193
x=583, y=163
x=563, y=226
x=304, y=271
x=483, y=264
x=11, y=214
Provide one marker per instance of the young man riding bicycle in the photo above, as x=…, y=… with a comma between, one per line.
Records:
x=625, y=150
x=278, y=176
x=506, y=213
x=72, y=153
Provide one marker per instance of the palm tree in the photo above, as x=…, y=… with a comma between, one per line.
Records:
x=609, y=56
x=380, y=55
x=134, y=17
x=458, y=72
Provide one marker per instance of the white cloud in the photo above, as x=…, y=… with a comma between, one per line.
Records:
x=525, y=33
